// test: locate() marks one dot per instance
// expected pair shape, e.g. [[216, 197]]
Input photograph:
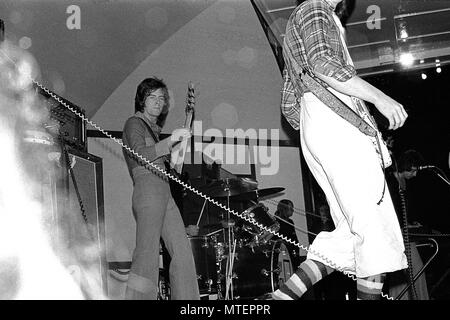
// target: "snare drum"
[[205, 262]]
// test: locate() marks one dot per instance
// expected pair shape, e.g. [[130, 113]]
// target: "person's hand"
[[192, 230], [166, 145], [177, 136], [392, 110]]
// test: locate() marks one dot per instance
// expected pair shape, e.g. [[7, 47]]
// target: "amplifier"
[[72, 128], [85, 228]]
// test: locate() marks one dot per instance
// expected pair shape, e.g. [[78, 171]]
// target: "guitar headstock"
[[190, 98]]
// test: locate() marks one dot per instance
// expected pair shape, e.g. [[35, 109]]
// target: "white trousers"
[[367, 239]]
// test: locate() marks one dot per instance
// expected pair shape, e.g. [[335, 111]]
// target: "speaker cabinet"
[[85, 223]]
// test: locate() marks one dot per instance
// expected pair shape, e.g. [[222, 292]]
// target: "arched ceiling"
[[86, 65]]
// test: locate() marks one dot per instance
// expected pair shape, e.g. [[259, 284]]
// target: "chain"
[[407, 242]]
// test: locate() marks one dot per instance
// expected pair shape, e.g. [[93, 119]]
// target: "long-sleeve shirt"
[[312, 42], [137, 136]]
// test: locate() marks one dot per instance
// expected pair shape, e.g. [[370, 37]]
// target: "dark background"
[[427, 130]]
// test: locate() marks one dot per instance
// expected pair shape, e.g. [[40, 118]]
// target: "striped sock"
[[370, 288], [307, 274]]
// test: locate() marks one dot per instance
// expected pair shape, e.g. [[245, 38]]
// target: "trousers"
[[157, 216], [367, 239]]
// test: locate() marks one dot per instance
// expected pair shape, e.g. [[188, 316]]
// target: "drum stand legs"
[[228, 234], [230, 258]]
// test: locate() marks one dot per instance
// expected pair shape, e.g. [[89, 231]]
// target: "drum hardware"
[[212, 233], [235, 254], [229, 272], [228, 224], [205, 262], [433, 243], [279, 250], [238, 189], [201, 213], [205, 245], [267, 252], [252, 266], [259, 214], [163, 287], [267, 273], [228, 187]]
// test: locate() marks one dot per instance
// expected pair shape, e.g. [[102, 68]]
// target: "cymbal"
[[258, 193], [228, 187]]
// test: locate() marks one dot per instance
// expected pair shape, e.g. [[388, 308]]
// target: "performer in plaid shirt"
[[367, 240]]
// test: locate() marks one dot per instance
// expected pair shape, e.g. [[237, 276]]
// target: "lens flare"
[[35, 260]]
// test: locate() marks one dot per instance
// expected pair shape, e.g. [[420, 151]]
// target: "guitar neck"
[[177, 159], [188, 121]]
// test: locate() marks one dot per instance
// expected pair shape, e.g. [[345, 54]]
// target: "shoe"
[[265, 296]]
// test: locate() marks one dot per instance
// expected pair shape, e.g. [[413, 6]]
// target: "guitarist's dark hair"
[[144, 89]]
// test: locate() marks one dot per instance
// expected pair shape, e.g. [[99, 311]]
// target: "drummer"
[[285, 209]]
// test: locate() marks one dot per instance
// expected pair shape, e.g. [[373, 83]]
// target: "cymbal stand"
[[229, 273], [229, 262], [201, 213]]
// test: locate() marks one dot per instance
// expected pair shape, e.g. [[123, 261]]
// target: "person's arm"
[[360, 88], [134, 134], [326, 64], [317, 29]]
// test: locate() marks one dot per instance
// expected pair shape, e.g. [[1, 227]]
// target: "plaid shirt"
[[312, 42]]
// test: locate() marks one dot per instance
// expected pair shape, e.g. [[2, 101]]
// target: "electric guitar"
[[175, 166]]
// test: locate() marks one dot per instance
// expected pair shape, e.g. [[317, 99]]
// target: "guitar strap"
[[150, 130], [166, 158]]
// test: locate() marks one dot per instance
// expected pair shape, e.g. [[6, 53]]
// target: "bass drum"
[[261, 269]]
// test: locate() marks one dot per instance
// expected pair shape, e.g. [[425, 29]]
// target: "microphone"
[[425, 167]]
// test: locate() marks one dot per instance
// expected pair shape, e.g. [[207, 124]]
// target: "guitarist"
[[154, 209]]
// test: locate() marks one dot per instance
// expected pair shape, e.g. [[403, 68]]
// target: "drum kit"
[[240, 260]]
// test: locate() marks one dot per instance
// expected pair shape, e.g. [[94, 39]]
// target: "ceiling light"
[[403, 33], [406, 59]]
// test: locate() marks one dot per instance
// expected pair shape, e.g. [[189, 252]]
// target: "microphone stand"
[[440, 173]]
